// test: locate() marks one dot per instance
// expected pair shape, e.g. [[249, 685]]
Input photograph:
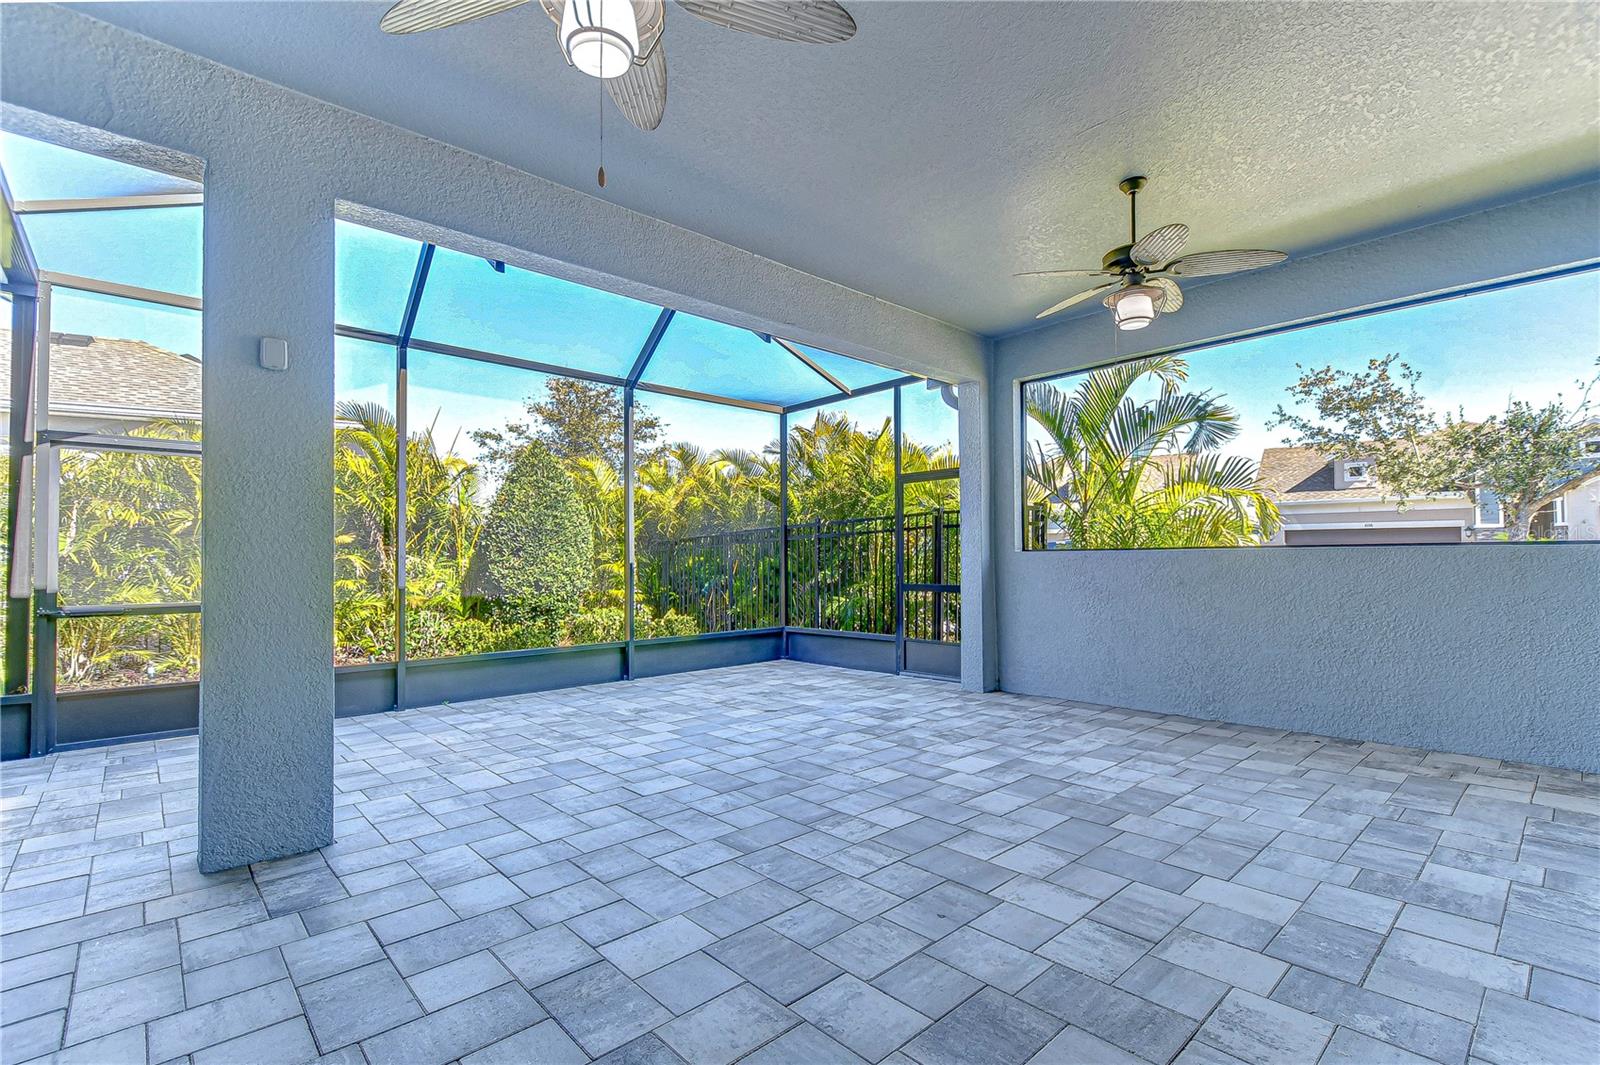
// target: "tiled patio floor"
[[790, 863]]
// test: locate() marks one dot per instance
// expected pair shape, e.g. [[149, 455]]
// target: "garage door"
[[1343, 537]]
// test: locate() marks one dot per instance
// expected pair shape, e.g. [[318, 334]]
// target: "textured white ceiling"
[[952, 144]]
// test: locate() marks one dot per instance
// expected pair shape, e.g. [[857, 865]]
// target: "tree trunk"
[[1517, 525]]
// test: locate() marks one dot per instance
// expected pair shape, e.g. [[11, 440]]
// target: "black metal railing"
[[727, 581], [933, 575], [841, 576]]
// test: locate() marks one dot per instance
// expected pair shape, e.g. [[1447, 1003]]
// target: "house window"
[[1344, 432], [1489, 515]]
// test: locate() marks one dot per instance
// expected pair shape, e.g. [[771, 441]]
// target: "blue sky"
[[1528, 342]]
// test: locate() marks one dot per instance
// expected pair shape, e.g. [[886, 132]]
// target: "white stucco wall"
[[1466, 649], [276, 161]]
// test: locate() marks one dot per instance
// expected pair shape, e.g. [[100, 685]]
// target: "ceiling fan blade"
[[1079, 298], [641, 93], [1067, 273], [1171, 294], [1212, 263], [804, 21], [414, 16], [1159, 245]]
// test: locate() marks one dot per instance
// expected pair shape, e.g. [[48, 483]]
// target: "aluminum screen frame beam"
[[402, 345]]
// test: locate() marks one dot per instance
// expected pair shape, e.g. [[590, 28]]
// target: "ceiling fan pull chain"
[[601, 176]]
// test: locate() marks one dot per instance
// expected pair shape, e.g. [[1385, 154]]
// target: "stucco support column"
[[266, 694], [980, 663]]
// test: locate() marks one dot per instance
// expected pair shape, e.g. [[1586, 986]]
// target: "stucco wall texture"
[[1491, 650], [276, 164], [1474, 650]]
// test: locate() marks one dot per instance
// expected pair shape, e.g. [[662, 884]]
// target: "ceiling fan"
[[1145, 268], [620, 40]]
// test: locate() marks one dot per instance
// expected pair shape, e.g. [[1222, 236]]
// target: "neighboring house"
[[1327, 502], [110, 385], [1341, 501], [1574, 514]]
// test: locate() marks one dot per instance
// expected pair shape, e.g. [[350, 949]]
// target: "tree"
[[575, 419], [533, 562], [1524, 456], [1117, 473], [443, 520]]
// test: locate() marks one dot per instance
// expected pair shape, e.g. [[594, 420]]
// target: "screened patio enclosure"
[[536, 483], [736, 496]]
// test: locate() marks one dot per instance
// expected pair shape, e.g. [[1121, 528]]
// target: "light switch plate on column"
[[274, 353]]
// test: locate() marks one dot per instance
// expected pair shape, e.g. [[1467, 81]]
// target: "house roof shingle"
[[112, 377]]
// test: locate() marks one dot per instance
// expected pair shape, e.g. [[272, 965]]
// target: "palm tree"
[[442, 524], [1115, 472]]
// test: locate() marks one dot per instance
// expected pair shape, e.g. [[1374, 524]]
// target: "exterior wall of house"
[[1433, 646], [276, 164], [1355, 517], [1583, 511]]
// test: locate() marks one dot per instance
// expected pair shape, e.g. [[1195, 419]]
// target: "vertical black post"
[[20, 435], [899, 546], [402, 442], [783, 531], [628, 560], [401, 524], [46, 540], [938, 572], [816, 571]]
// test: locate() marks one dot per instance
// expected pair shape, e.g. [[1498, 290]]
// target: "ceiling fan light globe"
[[599, 37], [1133, 307]]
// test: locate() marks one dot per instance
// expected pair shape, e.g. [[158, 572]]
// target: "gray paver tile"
[[1514, 1031], [1330, 947], [993, 961], [329, 953], [1093, 948], [104, 1009], [543, 1043], [1221, 961], [928, 985], [455, 980], [803, 1045], [357, 1004], [456, 1030], [1074, 1046], [1405, 1025], [650, 948], [127, 953], [871, 947], [991, 1026], [288, 1042], [1165, 858], [729, 1026], [686, 983], [1181, 990], [601, 1008], [861, 1017], [1566, 992], [780, 967], [647, 1049], [1263, 1032], [1144, 911], [222, 1020], [1126, 1021]]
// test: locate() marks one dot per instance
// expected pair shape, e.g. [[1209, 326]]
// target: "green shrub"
[[533, 561], [605, 624]]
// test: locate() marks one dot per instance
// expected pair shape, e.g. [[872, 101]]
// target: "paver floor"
[[792, 863]]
